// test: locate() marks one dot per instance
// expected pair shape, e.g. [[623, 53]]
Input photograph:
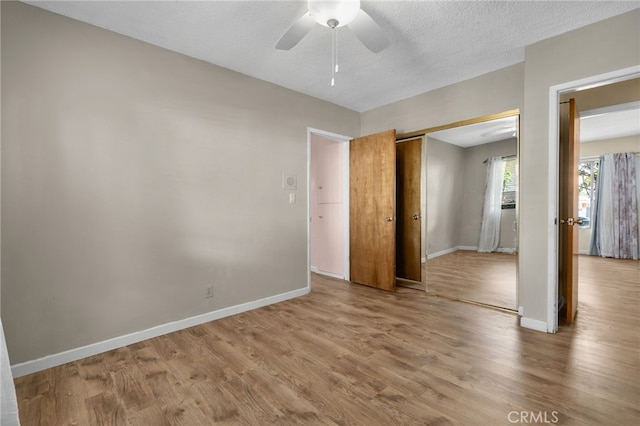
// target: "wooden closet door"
[[372, 173], [408, 225]]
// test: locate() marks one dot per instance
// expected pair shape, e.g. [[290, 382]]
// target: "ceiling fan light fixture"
[[334, 14], [343, 11]]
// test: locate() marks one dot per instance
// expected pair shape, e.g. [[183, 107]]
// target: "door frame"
[[552, 213], [345, 194]]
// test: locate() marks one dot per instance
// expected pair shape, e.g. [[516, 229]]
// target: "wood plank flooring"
[[352, 355], [488, 278]]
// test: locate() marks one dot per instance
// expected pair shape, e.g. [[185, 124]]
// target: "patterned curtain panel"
[[614, 230]]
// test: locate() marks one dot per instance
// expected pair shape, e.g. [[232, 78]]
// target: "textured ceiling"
[[433, 43]]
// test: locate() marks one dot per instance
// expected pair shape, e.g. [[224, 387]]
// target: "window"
[[510, 183], [587, 177]]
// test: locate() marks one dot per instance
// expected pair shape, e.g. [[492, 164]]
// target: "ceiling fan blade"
[[298, 30], [368, 32]]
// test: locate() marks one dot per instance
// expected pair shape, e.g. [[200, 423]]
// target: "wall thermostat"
[[289, 182]]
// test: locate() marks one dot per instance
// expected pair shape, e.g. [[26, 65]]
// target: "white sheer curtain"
[[614, 230], [492, 208]]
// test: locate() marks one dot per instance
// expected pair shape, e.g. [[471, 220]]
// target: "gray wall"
[[455, 187], [488, 94], [610, 146], [444, 186], [133, 176], [609, 45], [611, 94]]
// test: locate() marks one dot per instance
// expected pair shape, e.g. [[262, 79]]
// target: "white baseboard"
[[329, 274], [533, 324], [583, 251], [442, 253], [470, 248], [54, 360]]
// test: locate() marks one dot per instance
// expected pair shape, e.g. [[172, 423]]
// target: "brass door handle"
[[389, 219], [415, 217], [571, 221]]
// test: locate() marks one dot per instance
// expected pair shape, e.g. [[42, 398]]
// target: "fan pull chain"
[[333, 57], [335, 30], [333, 24]]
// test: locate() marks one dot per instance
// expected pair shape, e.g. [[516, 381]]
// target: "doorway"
[[368, 228], [328, 206], [555, 95], [609, 123]]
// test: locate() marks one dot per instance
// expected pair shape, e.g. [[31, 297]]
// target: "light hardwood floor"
[[348, 354], [488, 278]]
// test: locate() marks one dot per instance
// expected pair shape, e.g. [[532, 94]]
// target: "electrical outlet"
[[208, 292]]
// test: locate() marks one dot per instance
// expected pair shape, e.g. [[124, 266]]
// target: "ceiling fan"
[[335, 14]]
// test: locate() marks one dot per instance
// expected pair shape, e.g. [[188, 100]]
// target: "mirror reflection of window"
[[510, 183]]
